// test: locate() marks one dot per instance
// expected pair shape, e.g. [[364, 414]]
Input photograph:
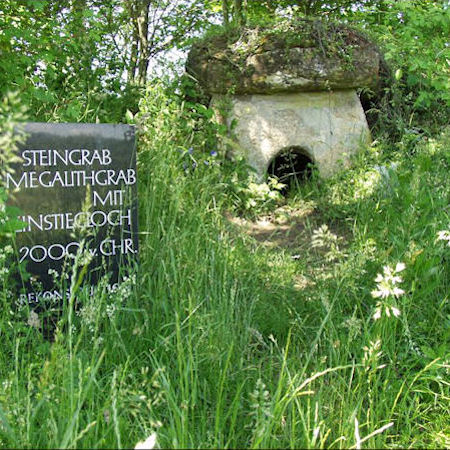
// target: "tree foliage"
[[87, 60], [73, 60]]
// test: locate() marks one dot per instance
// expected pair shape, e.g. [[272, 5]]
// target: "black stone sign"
[[76, 186]]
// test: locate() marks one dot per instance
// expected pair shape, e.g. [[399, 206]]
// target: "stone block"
[[327, 127]]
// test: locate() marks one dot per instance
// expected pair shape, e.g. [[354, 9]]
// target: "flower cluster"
[[444, 235], [387, 288], [387, 282], [190, 162], [34, 321], [94, 311], [5, 252], [124, 290], [89, 315], [3, 217]]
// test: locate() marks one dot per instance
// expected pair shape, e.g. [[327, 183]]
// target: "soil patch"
[[286, 228]]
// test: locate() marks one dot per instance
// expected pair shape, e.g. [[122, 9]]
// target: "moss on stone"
[[294, 56]]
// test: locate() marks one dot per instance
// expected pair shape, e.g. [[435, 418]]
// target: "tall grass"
[[216, 345]]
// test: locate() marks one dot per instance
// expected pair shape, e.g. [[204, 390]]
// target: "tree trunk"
[[225, 12], [132, 67], [82, 59], [138, 11], [142, 28], [238, 12]]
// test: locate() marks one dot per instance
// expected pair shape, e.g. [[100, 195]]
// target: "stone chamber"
[[289, 96]]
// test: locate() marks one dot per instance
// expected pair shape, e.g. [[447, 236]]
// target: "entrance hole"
[[292, 167]]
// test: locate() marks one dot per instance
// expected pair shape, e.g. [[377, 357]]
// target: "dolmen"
[[291, 87]]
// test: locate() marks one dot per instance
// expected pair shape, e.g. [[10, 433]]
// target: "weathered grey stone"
[[289, 87], [327, 126], [306, 56]]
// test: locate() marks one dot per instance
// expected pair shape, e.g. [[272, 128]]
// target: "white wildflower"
[[8, 249], [110, 310], [387, 287], [388, 310], [34, 321], [387, 282], [377, 314], [149, 443], [444, 235]]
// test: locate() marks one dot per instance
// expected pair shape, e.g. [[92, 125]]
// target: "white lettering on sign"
[[51, 188], [70, 221], [75, 157], [56, 252], [38, 296], [103, 178], [48, 179], [111, 198]]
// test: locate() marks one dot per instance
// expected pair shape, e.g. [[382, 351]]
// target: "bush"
[[414, 39]]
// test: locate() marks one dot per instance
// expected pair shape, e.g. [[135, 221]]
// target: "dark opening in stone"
[[292, 167]]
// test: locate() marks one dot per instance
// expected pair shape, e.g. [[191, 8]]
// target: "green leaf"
[[129, 117]]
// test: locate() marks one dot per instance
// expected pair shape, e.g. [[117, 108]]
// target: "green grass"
[[216, 345]]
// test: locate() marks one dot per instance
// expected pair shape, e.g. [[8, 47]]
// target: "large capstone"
[[290, 86]]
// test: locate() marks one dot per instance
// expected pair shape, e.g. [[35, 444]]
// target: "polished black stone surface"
[[66, 166]]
